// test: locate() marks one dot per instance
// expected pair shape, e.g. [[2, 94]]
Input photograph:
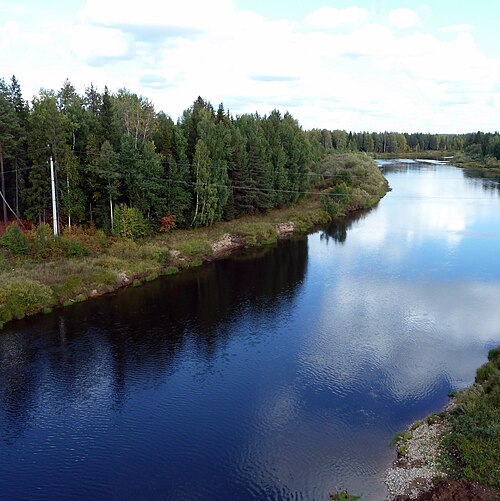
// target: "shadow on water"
[[139, 333], [337, 230]]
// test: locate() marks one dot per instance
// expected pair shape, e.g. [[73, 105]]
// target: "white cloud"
[[456, 28], [194, 14], [338, 68], [91, 43], [404, 18], [332, 18]]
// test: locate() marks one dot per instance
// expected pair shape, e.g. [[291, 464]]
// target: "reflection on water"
[[278, 375]]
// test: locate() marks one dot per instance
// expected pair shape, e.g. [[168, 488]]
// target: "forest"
[[117, 158]]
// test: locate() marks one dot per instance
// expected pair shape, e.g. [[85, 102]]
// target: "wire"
[[12, 210]]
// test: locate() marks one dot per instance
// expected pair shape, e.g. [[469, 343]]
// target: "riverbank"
[[98, 265], [455, 454], [488, 165]]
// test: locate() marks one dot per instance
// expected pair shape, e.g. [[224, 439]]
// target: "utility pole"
[[54, 203], [17, 192], [3, 187]]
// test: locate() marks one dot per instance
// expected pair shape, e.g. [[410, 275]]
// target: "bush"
[[130, 223], [125, 249], [92, 239], [335, 199], [73, 247], [23, 297], [15, 241], [44, 244]]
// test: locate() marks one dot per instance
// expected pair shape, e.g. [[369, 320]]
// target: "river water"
[[280, 374]]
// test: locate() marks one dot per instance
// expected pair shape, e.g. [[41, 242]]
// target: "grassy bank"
[[454, 454], [38, 273], [472, 443]]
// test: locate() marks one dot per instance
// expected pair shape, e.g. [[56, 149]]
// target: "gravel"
[[414, 471]]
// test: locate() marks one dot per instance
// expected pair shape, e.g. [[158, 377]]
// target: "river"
[[277, 374]]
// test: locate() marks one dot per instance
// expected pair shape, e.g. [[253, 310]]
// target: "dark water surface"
[[277, 376]]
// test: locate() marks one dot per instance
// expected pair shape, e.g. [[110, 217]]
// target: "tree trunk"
[[111, 211], [197, 195]]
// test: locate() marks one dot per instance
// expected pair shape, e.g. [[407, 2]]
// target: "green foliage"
[[352, 182], [130, 223], [23, 297], [171, 270], [104, 277], [473, 443], [401, 437], [68, 287], [125, 249], [194, 247], [72, 247], [257, 233], [343, 495], [44, 244], [335, 199], [15, 241]]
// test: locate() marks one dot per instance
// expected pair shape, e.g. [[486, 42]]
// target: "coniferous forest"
[[114, 152]]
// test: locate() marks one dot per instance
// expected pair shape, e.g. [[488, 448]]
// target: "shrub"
[[167, 223], [92, 239], [44, 244], [23, 297], [129, 223], [335, 199], [73, 247], [15, 241], [164, 257], [125, 249]]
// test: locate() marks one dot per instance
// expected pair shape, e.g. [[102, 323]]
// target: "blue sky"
[[368, 65]]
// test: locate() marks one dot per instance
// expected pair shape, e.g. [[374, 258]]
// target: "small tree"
[[130, 223], [15, 241]]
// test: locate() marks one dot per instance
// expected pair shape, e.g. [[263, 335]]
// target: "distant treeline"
[[477, 145], [113, 151]]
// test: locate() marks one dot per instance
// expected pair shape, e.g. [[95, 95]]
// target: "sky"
[[369, 65]]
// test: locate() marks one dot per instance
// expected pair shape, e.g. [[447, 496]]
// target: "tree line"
[[114, 152], [477, 145]]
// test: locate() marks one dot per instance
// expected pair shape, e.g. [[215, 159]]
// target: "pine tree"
[[48, 134], [21, 161]]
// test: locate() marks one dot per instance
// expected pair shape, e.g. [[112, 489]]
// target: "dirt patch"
[[285, 230], [457, 490], [225, 245]]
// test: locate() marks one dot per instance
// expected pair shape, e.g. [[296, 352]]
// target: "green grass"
[[21, 297], [472, 445]]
